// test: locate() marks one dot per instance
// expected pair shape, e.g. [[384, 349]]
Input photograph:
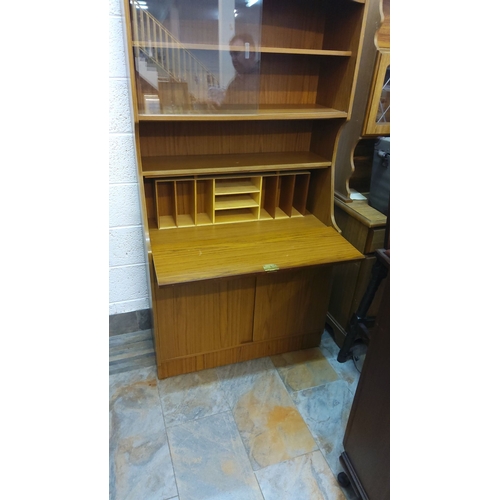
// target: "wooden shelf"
[[166, 221], [265, 112], [185, 220], [199, 164], [235, 201], [229, 186], [236, 215], [263, 50], [219, 251], [203, 219]]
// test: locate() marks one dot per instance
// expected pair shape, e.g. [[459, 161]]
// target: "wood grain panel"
[[216, 164], [289, 79], [199, 253], [329, 25], [384, 32], [344, 22], [364, 213], [243, 352], [376, 239], [205, 316], [223, 138], [291, 303], [345, 277], [353, 230], [301, 27]]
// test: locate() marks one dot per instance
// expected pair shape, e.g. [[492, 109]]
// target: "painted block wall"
[[128, 286]]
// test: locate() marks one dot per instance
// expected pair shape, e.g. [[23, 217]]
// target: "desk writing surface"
[[205, 252], [363, 212]]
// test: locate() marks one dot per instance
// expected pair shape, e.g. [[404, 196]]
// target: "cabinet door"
[[378, 117], [203, 316], [290, 303]]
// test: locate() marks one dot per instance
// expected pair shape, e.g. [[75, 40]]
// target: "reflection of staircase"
[[164, 62]]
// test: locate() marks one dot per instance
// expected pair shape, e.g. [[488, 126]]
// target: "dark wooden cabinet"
[[366, 457], [365, 228]]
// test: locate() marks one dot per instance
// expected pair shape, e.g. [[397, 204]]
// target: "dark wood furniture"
[[365, 228], [366, 456]]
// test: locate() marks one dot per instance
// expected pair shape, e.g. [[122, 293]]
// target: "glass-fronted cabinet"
[[243, 57], [196, 57], [378, 117]]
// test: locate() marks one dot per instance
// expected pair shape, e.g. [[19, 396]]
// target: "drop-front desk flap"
[[208, 252]]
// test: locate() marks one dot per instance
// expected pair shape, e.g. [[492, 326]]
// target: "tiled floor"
[[270, 428]]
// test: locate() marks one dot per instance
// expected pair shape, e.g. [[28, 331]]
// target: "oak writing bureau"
[[237, 110]]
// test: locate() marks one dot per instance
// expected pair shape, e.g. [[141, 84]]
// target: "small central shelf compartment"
[[235, 201], [236, 215], [237, 186]]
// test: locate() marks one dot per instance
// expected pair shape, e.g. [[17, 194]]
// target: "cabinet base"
[[245, 352]]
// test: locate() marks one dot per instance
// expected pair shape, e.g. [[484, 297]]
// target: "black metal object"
[[359, 321], [343, 480]]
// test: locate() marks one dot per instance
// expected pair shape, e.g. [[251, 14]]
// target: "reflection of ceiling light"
[[251, 2], [235, 13]]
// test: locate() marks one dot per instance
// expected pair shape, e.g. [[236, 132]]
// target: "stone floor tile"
[[305, 477], [270, 426], [326, 411], [303, 369], [347, 371], [139, 455], [191, 396], [210, 461]]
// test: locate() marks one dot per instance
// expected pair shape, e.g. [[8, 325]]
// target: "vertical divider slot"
[[166, 216], [269, 197], [204, 202], [185, 202], [287, 184], [300, 194]]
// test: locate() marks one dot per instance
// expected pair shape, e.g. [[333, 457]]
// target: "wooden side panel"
[[205, 316], [375, 241], [291, 303], [384, 33], [352, 230]]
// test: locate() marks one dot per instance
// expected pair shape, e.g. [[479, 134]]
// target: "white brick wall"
[[128, 286]]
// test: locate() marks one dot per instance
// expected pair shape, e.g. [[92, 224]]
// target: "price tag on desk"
[[270, 267]]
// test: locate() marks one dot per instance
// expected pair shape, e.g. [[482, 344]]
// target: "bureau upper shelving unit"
[[237, 109]]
